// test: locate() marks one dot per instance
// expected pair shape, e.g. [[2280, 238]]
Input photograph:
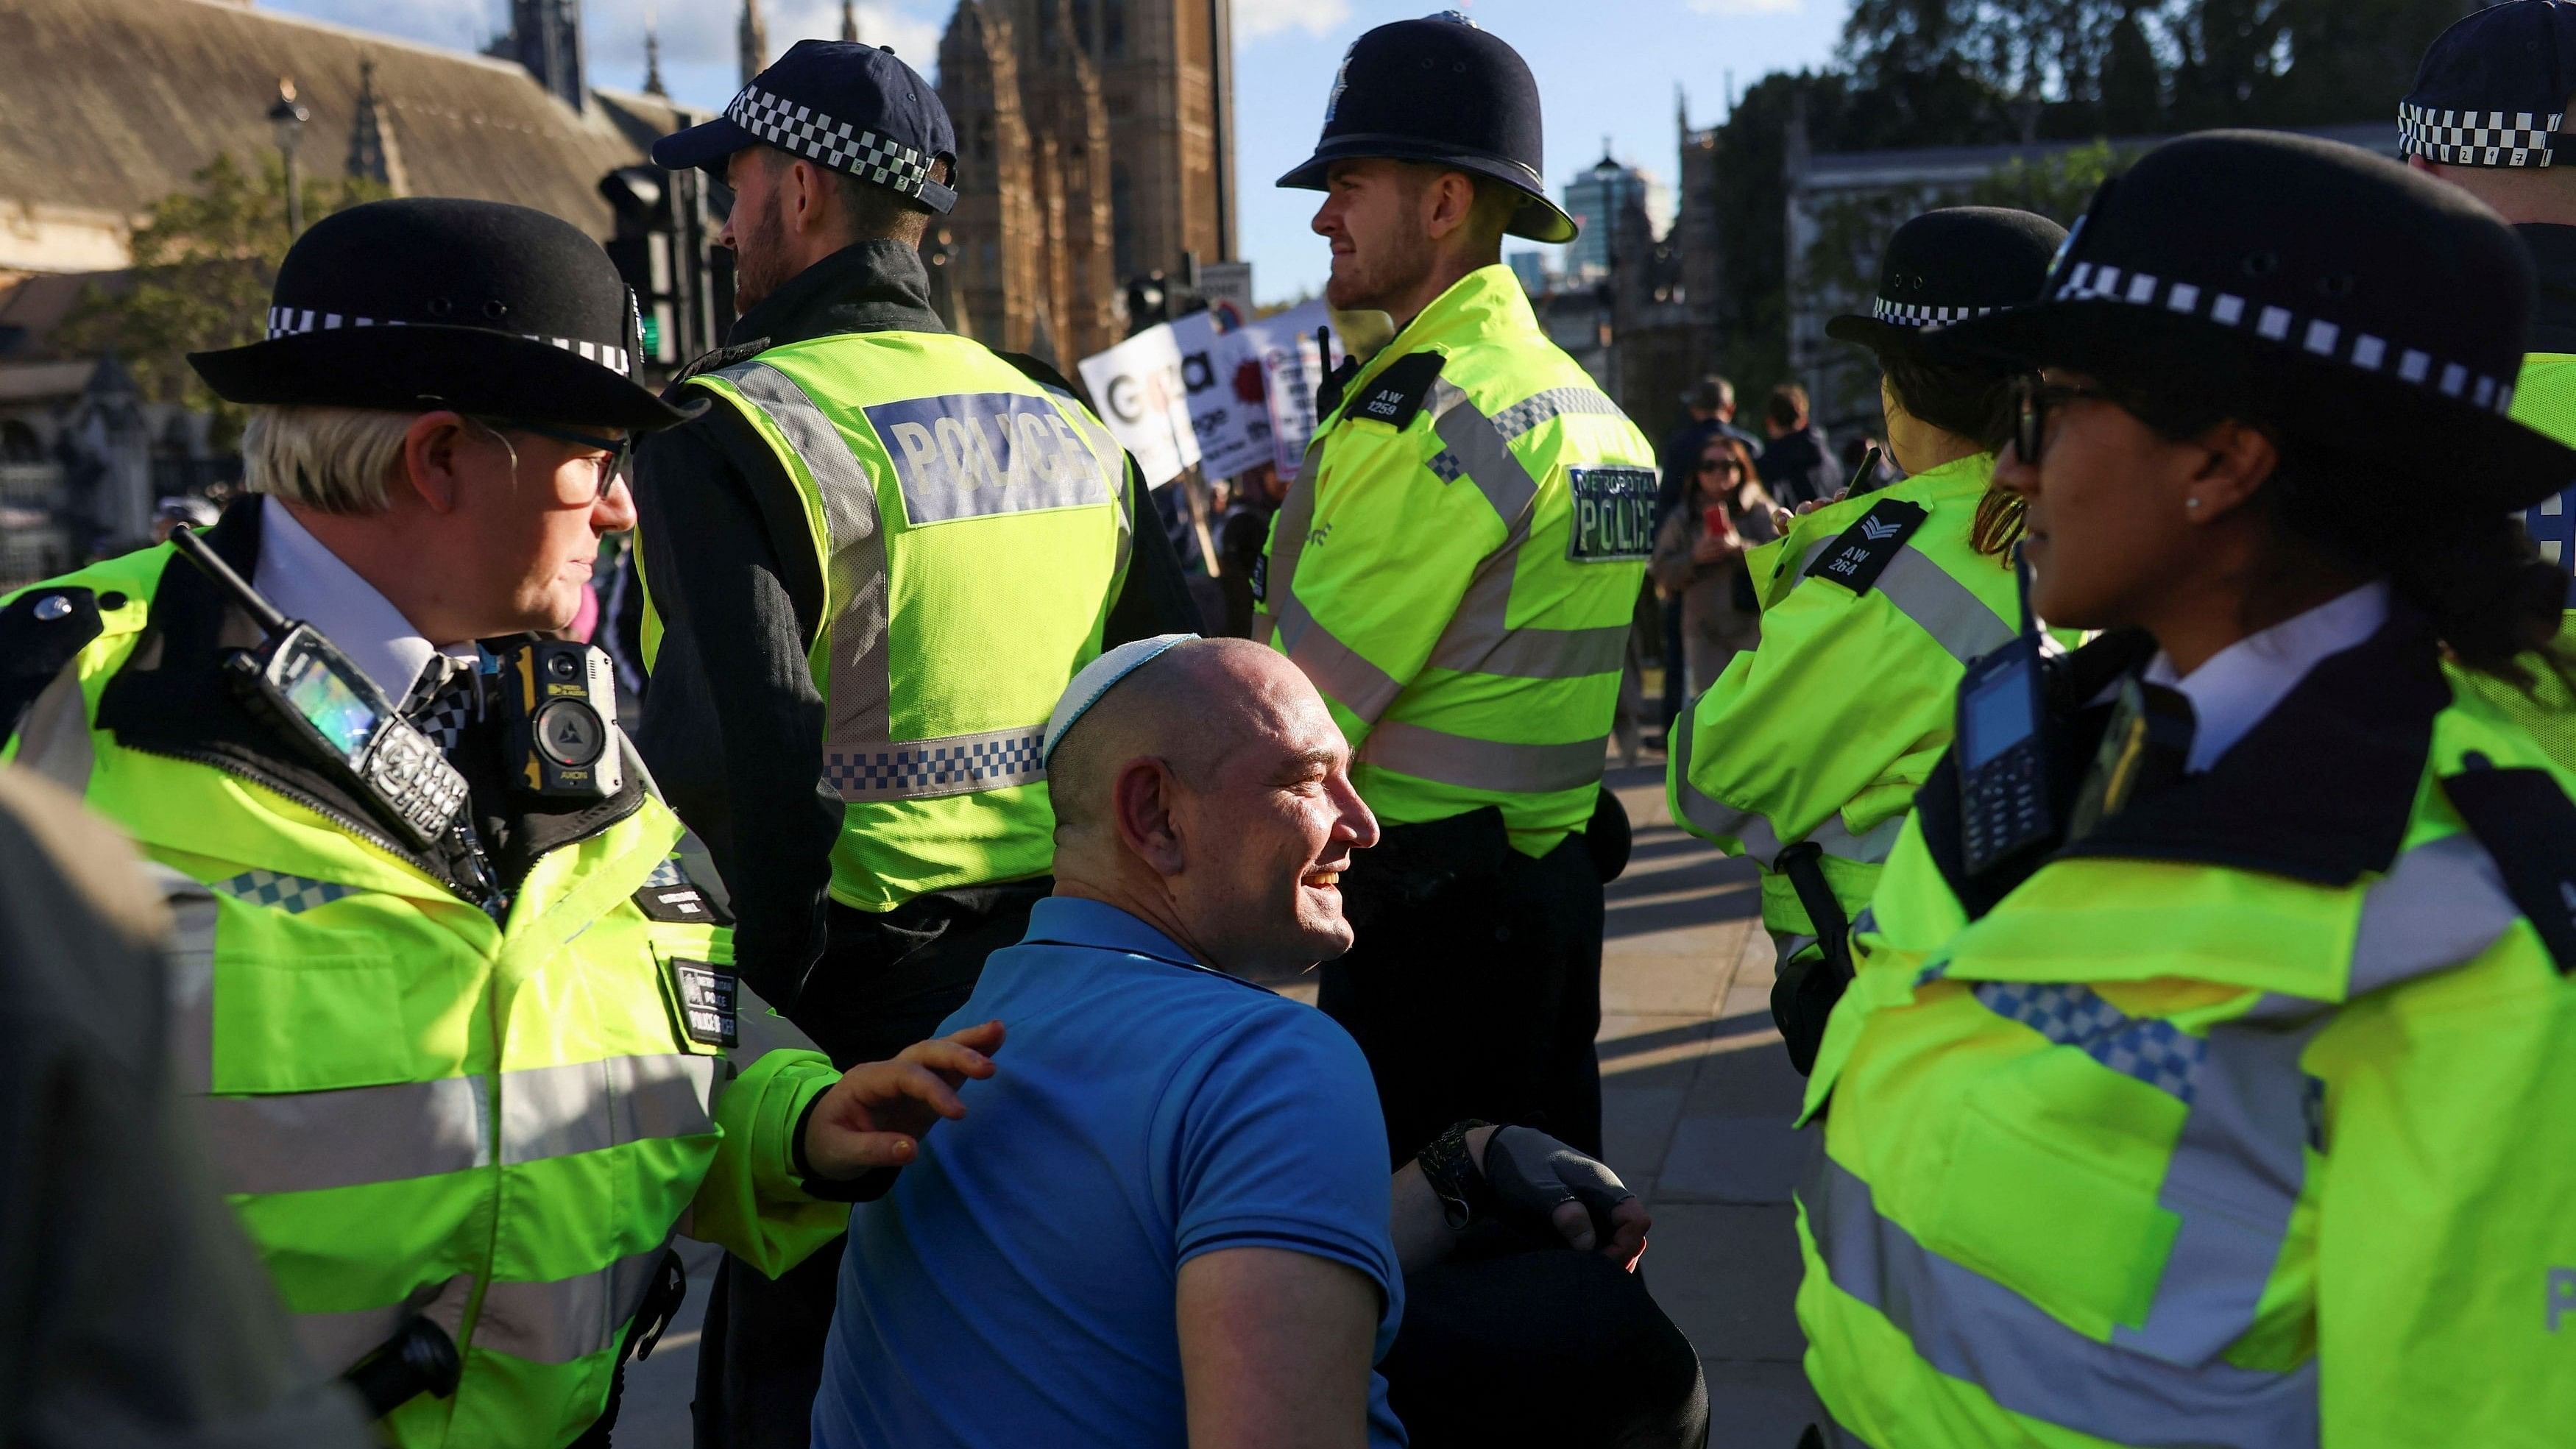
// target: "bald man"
[[1171, 1221]]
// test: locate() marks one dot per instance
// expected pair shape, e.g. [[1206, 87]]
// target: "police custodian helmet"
[[1443, 91]]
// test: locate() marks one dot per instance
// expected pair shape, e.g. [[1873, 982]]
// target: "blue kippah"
[[1096, 679]]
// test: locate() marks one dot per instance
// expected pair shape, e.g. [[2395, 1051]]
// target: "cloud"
[[1748, 7], [1254, 19]]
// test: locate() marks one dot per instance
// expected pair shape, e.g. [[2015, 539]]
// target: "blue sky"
[[1605, 67]]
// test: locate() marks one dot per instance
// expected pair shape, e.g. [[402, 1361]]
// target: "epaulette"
[[1399, 392], [2528, 826], [716, 361], [1856, 558], [40, 633]]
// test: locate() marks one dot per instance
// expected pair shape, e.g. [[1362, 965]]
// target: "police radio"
[[2006, 778], [304, 687], [559, 703]]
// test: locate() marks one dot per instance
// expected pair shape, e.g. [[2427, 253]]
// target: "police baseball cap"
[[2493, 89], [1947, 266], [852, 107], [1441, 91]]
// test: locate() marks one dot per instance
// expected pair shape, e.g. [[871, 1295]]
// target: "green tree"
[[2132, 79], [204, 265], [2057, 186]]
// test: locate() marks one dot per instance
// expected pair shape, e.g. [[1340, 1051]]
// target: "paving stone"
[[1729, 1277], [1757, 1405], [1733, 1160], [1636, 1128], [1748, 1075]]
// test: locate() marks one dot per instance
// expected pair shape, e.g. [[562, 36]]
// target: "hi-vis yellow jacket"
[[1458, 564], [415, 1108]]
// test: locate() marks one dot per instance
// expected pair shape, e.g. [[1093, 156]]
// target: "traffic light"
[[662, 250], [1147, 302]]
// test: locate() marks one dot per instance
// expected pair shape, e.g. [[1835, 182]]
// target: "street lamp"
[[286, 119]]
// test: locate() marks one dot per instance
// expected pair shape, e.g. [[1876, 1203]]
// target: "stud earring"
[[2191, 503]]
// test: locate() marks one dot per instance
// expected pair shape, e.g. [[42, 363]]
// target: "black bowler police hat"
[[1442, 91], [852, 107], [1945, 267], [2493, 89], [2308, 285], [437, 302]]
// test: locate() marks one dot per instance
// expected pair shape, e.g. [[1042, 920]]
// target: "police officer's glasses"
[[2035, 396], [608, 465]]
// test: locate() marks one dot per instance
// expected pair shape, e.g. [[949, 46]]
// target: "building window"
[[1122, 226], [1082, 37], [18, 443], [1113, 28]]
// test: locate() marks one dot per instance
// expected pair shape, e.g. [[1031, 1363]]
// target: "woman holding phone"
[[1699, 558], [2237, 1105]]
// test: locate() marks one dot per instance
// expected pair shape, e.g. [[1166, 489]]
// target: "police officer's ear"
[[437, 448], [2237, 459]]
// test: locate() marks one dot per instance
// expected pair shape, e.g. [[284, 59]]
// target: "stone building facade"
[[1095, 144]]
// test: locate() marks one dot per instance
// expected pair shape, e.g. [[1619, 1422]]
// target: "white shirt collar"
[[2240, 684], [309, 582]]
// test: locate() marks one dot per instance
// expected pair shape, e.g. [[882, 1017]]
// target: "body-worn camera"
[[559, 701]]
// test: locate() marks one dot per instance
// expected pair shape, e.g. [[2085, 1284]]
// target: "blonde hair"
[[335, 460]]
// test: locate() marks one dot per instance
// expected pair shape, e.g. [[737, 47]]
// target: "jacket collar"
[[2322, 788], [1488, 304], [2553, 253], [172, 698], [875, 286]]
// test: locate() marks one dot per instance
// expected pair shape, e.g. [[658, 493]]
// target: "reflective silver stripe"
[[927, 769], [1707, 814], [858, 687], [588, 1106], [336, 1341], [190, 987], [1556, 402], [2234, 1178], [1528, 653], [1946, 609], [568, 1318], [309, 1141], [1296, 518], [2440, 904], [1491, 465], [1973, 1328], [1870, 847], [1335, 668], [54, 739], [1474, 764]]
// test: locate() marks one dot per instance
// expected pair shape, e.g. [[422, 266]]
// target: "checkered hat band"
[[2477, 138], [1910, 314], [837, 144], [2332, 341], [288, 321]]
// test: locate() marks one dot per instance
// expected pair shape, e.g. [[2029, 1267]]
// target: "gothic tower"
[[546, 35], [372, 153], [753, 39]]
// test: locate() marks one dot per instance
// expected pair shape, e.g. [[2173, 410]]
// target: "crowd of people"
[[2163, 818]]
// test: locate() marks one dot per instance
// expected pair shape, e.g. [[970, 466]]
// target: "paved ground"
[[1697, 1094]]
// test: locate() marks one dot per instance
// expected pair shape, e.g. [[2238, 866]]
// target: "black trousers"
[[885, 982], [1481, 1000], [1676, 686], [1512, 1341]]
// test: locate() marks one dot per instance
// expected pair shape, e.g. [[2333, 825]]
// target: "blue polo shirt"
[[1016, 1286]]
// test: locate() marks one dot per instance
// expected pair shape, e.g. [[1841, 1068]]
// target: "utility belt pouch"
[[419, 1359], [1804, 992], [1412, 863]]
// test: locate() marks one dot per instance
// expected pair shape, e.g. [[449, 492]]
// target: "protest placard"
[[1291, 366], [1228, 397], [1138, 386]]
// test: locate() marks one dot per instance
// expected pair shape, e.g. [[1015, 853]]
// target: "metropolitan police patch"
[[1614, 515], [706, 1002]]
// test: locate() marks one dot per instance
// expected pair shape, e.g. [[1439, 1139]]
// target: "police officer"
[[2228, 1106], [1455, 569], [876, 560], [459, 1065], [1806, 753], [2488, 115]]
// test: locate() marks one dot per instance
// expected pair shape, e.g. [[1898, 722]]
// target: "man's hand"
[[875, 1115], [1783, 520], [1716, 548], [1534, 1175]]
